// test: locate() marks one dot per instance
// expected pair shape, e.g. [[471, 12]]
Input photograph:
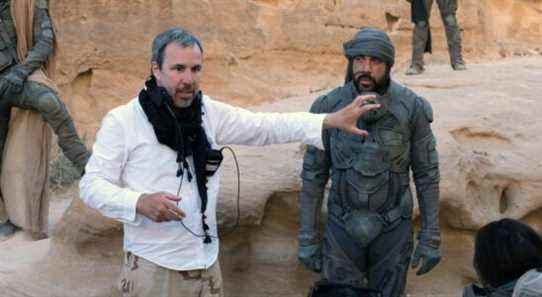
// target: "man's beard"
[[184, 102], [379, 86]]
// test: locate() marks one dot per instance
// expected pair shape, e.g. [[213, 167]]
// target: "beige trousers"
[[141, 278]]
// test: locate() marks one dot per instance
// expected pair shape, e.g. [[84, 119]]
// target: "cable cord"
[[238, 204]]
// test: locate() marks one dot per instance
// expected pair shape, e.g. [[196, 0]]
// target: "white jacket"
[[127, 161]]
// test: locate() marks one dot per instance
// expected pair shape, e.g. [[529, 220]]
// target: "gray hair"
[[175, 35]]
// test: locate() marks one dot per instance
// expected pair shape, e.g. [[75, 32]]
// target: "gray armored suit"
[[421, 35], [16, 90], [368, 239]]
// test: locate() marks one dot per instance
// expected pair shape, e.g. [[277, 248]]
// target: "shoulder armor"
[[404, 95], [412, 102], [404, 103], [427, 109], [318, 106], [328, 102]]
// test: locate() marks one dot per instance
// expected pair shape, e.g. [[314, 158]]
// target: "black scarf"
[[181, 130], [349, 77]]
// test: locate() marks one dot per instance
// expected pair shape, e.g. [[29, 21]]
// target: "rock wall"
[[259, 50]]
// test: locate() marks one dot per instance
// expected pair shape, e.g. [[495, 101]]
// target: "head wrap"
[[373, 43]]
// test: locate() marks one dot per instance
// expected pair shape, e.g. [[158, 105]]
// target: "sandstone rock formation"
[[257, 51]]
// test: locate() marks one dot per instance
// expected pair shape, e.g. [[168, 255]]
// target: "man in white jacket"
[[153, 168]]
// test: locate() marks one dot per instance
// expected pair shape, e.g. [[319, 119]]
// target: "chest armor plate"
[[386, 147], [366, 165]]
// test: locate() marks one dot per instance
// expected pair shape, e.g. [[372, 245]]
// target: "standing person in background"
[[421, 35]]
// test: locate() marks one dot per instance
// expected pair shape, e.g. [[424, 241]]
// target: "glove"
[[311, 256], [12, 82], [428, 255]]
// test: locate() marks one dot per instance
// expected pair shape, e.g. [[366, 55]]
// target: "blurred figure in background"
[[421, 36]]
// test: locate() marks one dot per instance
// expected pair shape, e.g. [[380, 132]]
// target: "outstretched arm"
[[234, 125]]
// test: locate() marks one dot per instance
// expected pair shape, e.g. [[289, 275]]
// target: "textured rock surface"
[[256, 51], [488, 134]]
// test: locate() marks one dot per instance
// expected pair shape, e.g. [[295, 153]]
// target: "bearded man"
[[368, 237], [26, 45]]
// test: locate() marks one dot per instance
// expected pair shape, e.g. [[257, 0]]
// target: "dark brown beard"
[[379, 86]]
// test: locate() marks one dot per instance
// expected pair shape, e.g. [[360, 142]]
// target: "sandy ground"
[[19, 249]]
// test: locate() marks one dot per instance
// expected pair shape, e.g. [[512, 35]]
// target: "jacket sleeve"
[[234, 125], [43, 40], [425, 168], [101, 186], [315, 175]]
